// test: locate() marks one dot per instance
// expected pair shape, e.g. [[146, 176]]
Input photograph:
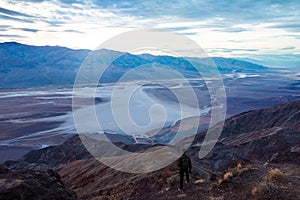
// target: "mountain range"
[[33, 66]]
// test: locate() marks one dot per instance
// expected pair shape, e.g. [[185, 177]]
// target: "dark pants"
[[181, 173]]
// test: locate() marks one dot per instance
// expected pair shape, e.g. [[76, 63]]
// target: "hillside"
[[251, 147], [267, 135]]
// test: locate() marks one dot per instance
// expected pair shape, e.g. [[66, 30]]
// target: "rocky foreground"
[[30, 184], [257, 157]]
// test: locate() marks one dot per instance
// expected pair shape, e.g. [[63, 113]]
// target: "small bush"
[[228, 175], [213, 186], [259, 191], [172, 181], [275, 175], [239, 166], [264, 190], [199, 181], [220, 181]]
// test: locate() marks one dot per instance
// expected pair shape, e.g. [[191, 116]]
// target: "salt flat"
[[39, 117]]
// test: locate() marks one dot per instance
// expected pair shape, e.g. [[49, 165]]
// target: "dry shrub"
[[172, 181], [259, 191], [220, 181], [263, 190], [96, 198], [239, 166], [275, 175], [228, 175], [113, 197], [199, 181], [239, 171], [181, 196], [242, 171], [213, 186]]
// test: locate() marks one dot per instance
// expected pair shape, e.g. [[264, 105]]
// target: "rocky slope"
[[271, 134], [29, 184], [260, 140], [52, 156], [257, 142]]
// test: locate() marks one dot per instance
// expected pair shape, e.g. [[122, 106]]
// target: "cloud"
[[218, 14], [11, 36], [275, 60], [234, 11], [9, 18], [292, 27], [27, 29], [286, 25], [230, 50], [232, 30], [4, 26], [71, 1], [190, 33], [181, 28], [288, 48], [13, 13], [72, 31]]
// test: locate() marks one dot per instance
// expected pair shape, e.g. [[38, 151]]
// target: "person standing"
[[185, 167]]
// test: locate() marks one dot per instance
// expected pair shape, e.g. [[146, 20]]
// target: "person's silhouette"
[[185, 166]]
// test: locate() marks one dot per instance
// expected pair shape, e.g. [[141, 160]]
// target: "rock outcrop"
[[29, 184]]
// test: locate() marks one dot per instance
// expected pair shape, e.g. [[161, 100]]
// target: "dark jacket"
[[184, 162]]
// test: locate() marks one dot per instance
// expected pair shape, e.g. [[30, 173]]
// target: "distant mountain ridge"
[[33, 66]]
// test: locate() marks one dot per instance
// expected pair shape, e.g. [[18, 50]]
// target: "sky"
[[266, 31]]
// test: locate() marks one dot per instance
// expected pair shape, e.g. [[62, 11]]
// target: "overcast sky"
[[266, 30]]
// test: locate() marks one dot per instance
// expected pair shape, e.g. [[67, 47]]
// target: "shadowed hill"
[[271, 134], [29, 184]]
